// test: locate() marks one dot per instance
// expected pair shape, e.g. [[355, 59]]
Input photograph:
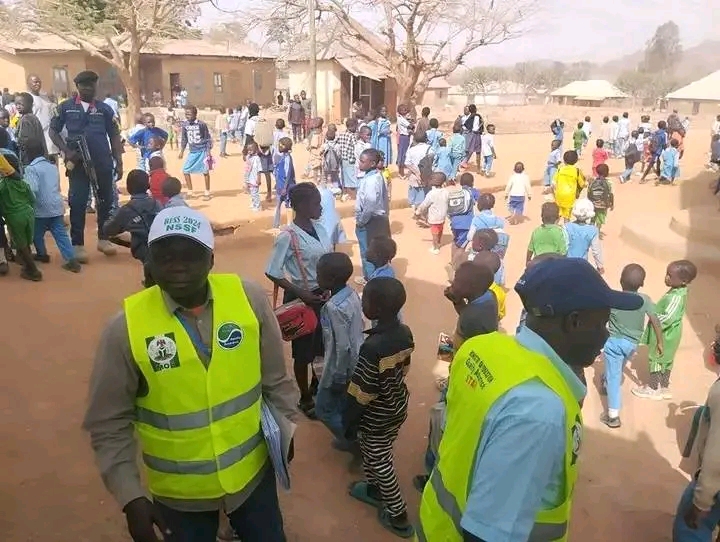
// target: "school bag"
[[600, 194], [425, 166], [263, 133], [459, 202], [331, 159]]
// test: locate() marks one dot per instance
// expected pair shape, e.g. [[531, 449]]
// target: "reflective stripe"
[[210, 466], [197, 420], [419, 533], [547, 532], [445, 499]]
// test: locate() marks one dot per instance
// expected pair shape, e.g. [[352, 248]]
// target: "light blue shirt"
[[113, 105], [283, 262], [44, 181], [519, 462], [330, 219], [383, 271], [341, 319], [371, 198]]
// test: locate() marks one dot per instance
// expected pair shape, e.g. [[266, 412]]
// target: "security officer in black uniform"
[[84, 116]]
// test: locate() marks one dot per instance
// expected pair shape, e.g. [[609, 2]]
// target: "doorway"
[[175, 86]]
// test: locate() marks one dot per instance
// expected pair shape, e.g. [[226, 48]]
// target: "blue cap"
[[565, 285]]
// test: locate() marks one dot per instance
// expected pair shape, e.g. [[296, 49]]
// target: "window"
[[60, 79], [218, 83]]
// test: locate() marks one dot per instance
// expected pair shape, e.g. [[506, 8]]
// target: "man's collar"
[[532, 341], [173, 306], [382, 327]]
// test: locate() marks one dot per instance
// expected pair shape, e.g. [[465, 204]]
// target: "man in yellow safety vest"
[[507, 460], [193, 367]]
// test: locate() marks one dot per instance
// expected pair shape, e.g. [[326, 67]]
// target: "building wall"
[[13, 72], [328, 85], [55, 70], [695, 107]]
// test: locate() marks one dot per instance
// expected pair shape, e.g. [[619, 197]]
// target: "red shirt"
[[157, 178], [599, 156]]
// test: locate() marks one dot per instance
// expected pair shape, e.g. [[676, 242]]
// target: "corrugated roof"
[[360, 67], [590, 90], [707, 88]]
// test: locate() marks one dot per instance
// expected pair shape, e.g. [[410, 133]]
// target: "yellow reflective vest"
[[199, 427], [483, 370]]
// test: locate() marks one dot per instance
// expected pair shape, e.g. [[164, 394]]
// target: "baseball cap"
[[182, 222], [564, 285]]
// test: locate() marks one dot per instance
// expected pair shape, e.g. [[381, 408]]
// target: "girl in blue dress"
[[380, 138]]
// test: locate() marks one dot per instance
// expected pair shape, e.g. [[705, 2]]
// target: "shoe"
[[434, 250], [360, 281], [189, 194], [81, 254], [42, 258], [613, 423], [4, 269], [72, 265], [106, 247], [665, 393], [207, 196], [646, 392], [35, 276]]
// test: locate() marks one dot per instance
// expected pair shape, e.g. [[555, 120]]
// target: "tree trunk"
[[408, 91], [131, 79]]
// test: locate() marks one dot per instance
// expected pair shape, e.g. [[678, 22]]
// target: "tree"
[[406, 42], [114, 31], [477, 80], [228, 33], [663, 51]]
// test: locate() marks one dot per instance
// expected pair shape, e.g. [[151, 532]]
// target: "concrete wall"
[[15, 70], [328, 86], [695, 107]]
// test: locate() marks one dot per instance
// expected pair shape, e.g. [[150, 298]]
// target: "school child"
[[457, 148], [171, 191], [28, 127], [155, 146], [492, 261], [633, 155], [715, 151], [405, 129], [44, 180], [172, 128], [329, 218], [670, 163], [604, 132], [625, 330], [386, 175], [315, 147], [18, 209], [131, 133], [434, 209], [157, 178], [579, 138], [380, 253], [284, 177], [331, 161], [278, 133], [423, 123], [135, 218], [567, 184], [377, 402], [551, 167], [443, 160], [600, 155], [587, 130], [582, 235], [516, 191], [488, 150], [548, 237], [656, 143], [670, 310], [341, 319], [252, 176], [433, 135], [140, 139], [266, 167], [601, 195], [613, 139], [487, 218], [460, 210], [645, 124]]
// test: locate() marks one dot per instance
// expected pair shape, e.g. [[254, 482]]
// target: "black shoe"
[[4, 269], [35, 276], [42, 258], [73, 266], [613, 423]]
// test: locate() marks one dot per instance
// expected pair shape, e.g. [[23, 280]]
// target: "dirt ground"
[[50, 491]]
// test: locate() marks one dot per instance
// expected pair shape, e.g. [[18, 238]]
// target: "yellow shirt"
[[6, 170], [500, 295], [568, 182]]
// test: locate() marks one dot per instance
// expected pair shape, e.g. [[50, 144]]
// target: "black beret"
[[87, 76]]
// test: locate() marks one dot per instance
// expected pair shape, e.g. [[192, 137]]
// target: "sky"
[[573, 30]]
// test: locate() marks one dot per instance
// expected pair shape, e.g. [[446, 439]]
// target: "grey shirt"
[[116, 381]]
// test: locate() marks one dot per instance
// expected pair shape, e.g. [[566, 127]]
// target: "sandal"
[[359, 491], [403, 531]]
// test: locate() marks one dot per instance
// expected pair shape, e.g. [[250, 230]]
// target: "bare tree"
[[417, 40], [114, 31]]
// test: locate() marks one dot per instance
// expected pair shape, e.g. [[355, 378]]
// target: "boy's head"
[[434, 123], [330, 134], [34, 148], [486, 201], [550, 212], [457, 127], [438, 179], [606, 119], [425, 112], [420, 137], [285, 144], [403, 109], [662, 125], [489, 259], [555, 144], [138, 182], [4, 118], [381, 161], [467, 179], [149, 120], [490, 128], [368, 160], [519, 167], [484, 239], [587, 119], [364, 133], [351, 124], [635, 134], [615, 118], [334, 269], [580, 125], [381, 250], [626, 115], [382, 299], [24, 103], [602, 171], [442, 142], [570, 158], [280, 124], [171, 187], [471, 281], [154, 143], [191, 113], [4, 138], [674, 143], [680, 273], [632, 277], [600, 143]]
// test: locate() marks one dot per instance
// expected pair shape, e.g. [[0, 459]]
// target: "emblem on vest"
[[162, 351], [229, 335], [576, 440]]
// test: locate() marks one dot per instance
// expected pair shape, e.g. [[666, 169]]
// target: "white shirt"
[[716, 127], [623, 127], [250, 126], [488, 144], [614, 131], [413, 157], [587, 128], [113, 105], [518, 185], [43, 109], [436, 205]]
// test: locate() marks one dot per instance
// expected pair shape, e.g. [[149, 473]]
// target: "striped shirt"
[[345, 144], [377, 395]]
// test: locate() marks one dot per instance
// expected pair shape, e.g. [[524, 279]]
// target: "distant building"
[[701, 96], [214, 75], [592, 93], [504, 93], [436, 94]]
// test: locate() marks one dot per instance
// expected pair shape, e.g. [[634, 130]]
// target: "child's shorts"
[[21, 228], [565, 212], [437, 229], [600, 217]]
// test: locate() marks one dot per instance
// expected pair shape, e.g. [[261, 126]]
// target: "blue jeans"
[[487, 163], [78, 196], [416, 195], [704, 532], [620, 146], [455, 162], [223, 143], [549, 174], [278, 210], [362, 237], [56, 226], [257, 520], [617, 351], [329, 408], [625, 175]]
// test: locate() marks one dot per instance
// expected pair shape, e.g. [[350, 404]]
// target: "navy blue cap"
[[564, 285]]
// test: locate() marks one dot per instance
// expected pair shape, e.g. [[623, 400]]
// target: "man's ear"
[[572, 322]]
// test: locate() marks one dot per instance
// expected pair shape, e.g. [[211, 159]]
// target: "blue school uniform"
[[670, 163], [457, 152], [443, 162], [380, 138], [330, 219], [433, 138], [489, 220], [460, 224], [142, 138]]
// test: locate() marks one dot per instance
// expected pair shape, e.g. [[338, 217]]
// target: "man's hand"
[[71, 155], [693, 516], [142, 516], [180, 156], [660, 349]]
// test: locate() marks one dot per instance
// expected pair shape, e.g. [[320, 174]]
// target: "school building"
[[591, 93], [701, 96], [212, 74]]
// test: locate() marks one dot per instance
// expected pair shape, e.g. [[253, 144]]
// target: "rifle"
[[80, 143]]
